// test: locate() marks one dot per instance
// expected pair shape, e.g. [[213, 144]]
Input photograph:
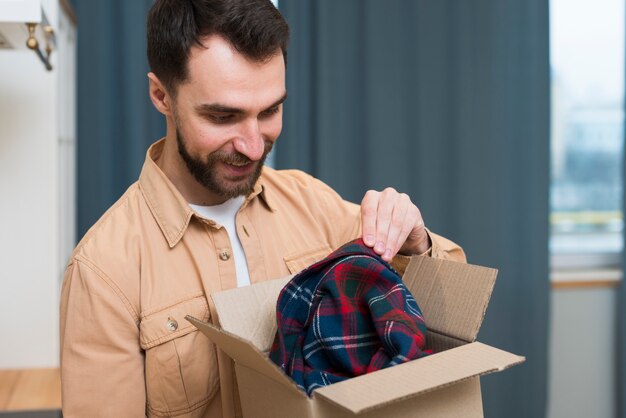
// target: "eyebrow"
[[220, 108]]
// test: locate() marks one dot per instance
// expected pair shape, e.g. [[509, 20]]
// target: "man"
[[205, 216]]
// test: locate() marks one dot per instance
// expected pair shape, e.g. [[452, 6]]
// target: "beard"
[[206, 172]]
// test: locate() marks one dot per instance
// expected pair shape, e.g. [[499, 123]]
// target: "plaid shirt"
[[345, 316]]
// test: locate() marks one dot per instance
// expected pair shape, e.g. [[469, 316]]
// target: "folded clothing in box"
[[345, 316]]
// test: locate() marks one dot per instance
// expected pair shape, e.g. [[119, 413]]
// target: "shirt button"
[[172, 325], [224, 255]]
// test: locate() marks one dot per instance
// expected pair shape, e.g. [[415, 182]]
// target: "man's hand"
[[392, 224]]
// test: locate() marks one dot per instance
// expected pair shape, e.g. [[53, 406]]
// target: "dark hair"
[[255, 28]]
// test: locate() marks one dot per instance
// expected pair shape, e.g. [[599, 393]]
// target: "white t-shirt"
[[224, 215]]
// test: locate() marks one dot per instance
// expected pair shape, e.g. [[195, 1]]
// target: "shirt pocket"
[[298, 261], [181, 365]]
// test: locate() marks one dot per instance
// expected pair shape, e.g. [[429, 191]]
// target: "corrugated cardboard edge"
[[359, 395], [453, 296], [243, 351]]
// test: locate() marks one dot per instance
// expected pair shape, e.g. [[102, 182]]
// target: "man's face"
[[227, 116]]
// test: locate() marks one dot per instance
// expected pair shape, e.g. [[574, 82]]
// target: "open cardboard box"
[[453, 297]]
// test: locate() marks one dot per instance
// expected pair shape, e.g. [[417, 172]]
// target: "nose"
[[250, 141]]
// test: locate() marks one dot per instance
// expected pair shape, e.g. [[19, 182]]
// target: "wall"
[[33, 154], [582, 353]]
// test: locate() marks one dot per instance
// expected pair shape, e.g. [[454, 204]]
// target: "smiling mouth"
[[239, 169], [241, 164]]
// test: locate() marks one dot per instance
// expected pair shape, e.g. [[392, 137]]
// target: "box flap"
[[245, 353], [453, 296], [438, 342], [250, 312], [417, 377]]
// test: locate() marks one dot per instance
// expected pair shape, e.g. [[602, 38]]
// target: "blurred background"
[[503, 120]]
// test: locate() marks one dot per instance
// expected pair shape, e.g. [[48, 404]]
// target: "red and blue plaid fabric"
[[345, 316]]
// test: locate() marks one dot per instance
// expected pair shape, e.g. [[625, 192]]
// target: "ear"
[[159, 95]]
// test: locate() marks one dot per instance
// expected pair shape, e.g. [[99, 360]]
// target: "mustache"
[[237, 157], [234, 158]]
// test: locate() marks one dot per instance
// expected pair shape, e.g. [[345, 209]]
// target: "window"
[[587, 69]]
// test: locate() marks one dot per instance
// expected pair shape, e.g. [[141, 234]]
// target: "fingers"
[[386, 205], [388, 217], [369, 212], [400, 226]]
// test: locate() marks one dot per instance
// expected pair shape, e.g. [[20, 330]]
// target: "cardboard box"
[[452, 296]]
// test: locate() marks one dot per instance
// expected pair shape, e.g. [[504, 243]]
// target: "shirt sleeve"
[[440, 248], [102, 365], [444, 248]]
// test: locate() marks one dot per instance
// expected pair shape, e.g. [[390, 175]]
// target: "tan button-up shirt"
[[126, 349]]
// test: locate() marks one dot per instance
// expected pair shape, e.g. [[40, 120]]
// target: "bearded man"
[[205, 215]]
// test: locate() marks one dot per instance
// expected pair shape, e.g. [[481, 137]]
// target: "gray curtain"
[[116, 121], [449, 102]]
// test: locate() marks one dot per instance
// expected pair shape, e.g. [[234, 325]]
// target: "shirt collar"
[[169, 208]]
